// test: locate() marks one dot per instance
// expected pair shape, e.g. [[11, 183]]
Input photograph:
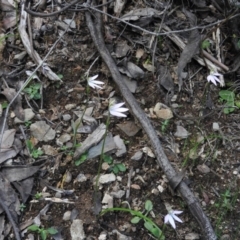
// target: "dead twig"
[[193, 204]]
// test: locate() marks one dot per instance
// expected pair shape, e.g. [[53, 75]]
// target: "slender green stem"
[[135, 213], [102, 153]]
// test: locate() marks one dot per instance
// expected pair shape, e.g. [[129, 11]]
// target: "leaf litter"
[[22, 175]]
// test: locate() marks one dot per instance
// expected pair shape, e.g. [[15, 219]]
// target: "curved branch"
[[192, 202]]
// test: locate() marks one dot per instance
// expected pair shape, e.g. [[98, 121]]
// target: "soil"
[[217, 188]]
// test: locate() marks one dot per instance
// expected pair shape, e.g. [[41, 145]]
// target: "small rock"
[[157, 107], [135, 186], [67, 177], [49, 150], [181, 132], [74, 214], [203, 168], [66, 117], [160, 188], [81, 178], [42, 131], [149, 152], [28, 115], [118, 194], [102, 236], [76, 230], [58, 195], [107, 178], [70, 106], [216, 126], [66, 216], [105, 166], [121, 236], [137, 156], [70, 22], [107, 200], [164, 114], [121, 148], [63, 139], [192, 236]]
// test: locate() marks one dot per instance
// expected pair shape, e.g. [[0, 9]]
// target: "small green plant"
[[42, 231], [205, 44], [22, 207], [138, 216], [38, 195], [33, 91], [4, 105], [116, 168], [82, 159], [35, 153], [228, 97], [165, 125], [27, 123]]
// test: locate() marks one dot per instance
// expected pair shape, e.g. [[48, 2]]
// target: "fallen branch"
[[188, 196]]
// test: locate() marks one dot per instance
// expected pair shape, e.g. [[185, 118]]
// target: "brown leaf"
[[10, 93]]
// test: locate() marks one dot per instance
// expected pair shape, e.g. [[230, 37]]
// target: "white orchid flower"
[[116, 109], [94, 83], [215, 78], [171, 218]]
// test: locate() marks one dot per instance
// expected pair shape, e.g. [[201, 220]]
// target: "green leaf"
[[43, 234], [108, 159], [4, 105], [121, 167], [115, 169], [148, 205], [82, 159], [28, 90], [148, 226], [227, 95], [205, 44], [237, 103], [37, 96], [52, 231], [135, 220], [33, 228], [29, 145]]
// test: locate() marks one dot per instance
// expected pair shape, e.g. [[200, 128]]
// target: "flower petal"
[[171, 221], [118, 105], [177, 218], [118, 114], [177, 212], [166, 218], [122, 109], [97, 82], [92, 78]]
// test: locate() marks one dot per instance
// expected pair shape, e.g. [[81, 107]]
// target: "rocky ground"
[[70, 168]]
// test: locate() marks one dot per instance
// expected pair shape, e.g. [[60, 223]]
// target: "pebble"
[[107, 178], [137, 156], [76, 230], [215, 126], [70, 106], [66, 117], [66, 216], [81, 177]]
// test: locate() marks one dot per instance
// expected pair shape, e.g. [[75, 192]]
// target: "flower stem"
[[102, 153]]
